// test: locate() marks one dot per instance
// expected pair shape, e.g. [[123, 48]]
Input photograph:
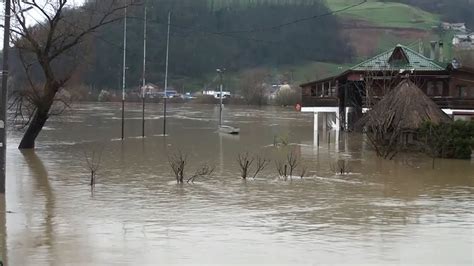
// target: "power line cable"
[[276, 27]]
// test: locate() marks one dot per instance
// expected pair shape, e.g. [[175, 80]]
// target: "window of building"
[[314, 91], [434, 88], [465, 91], [439, 87], [462, 91], [429, 88], [320, 90], [333, 90]]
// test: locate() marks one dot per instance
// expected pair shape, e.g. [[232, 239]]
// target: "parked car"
[[188, 96], [169, 94]]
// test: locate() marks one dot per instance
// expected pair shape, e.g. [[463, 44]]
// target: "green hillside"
[[205, 37], [373, 13], [386, 14], [210, 34]]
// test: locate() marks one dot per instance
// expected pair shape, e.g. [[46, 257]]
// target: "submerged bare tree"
[[376, 84], [49, 53], [286, 168], [340, 167], [282, 169], [177, 162], [304, 169], [93, 161], [382, 136], [384, 133], [261, 163], [246, 161], [204, 170], [292, 160]]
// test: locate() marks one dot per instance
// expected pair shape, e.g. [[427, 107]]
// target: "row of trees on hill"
[[204, 37]]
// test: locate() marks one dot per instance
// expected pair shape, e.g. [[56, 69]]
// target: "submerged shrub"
[[449, 140]]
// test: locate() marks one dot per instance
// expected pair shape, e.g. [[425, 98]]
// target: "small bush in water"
[[449, 140]]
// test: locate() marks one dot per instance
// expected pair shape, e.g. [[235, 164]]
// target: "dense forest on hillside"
[[208, 34], [450, 10]]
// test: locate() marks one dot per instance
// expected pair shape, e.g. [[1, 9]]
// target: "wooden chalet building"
[[343, 98]]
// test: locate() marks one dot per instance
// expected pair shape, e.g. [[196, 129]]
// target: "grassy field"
[[375, 12], [386, 14], [393, 15], [217, 4]]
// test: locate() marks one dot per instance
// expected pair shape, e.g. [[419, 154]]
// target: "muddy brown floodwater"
[[383, 212]]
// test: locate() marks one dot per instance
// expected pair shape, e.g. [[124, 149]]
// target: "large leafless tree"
[[51, 49]]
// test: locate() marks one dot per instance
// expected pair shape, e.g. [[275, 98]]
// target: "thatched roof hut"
[[405, 107]]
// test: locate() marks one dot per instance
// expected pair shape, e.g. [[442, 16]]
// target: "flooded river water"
[[383, 212]]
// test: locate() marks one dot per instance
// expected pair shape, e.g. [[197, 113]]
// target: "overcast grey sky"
[[33, 15]]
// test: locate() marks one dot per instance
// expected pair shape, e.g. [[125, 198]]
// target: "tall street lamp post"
[[4, 93]]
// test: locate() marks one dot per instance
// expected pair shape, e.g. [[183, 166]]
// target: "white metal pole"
[[144, 48], [165, 96], [220, 98], [144, 71], [4, 95], [124, 69]]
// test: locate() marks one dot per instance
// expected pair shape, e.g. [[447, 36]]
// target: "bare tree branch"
[[177, 162], [204, 170], [261, 164], [245, 161]]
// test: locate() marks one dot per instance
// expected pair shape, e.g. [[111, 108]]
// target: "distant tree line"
[[208, 34]]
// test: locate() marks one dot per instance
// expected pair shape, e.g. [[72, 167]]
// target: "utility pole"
[[220, 71], [165, 96], [4, 95], [144, 75], [124, 69]]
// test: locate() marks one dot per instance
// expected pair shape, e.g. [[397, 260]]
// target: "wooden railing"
[[442, 102], [320, 102], [454, 103]]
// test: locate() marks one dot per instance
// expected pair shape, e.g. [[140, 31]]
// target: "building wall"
[[454, 90], [461, 84], [323, 94]]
